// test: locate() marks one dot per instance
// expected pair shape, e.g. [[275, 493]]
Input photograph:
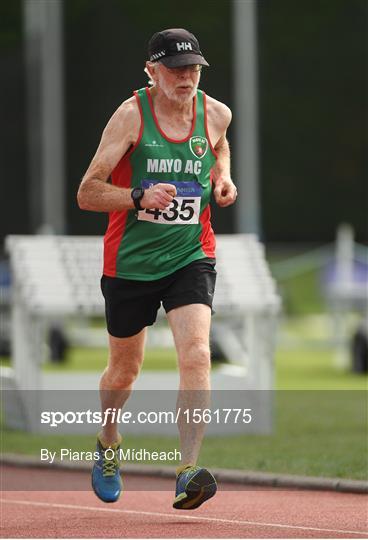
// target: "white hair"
[[151, 82]]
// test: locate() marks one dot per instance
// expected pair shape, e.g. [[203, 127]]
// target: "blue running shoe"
[[106, 480], [194, 486]]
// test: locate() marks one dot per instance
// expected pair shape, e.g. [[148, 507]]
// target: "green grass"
[[316, 433], [320, 416], [301, 294], [296, 369], [96, 359], [301, 291], [308, 369], [321, 432]]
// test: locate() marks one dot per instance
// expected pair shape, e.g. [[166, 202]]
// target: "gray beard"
[[170, 94]]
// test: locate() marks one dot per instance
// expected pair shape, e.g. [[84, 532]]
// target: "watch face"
[[137, 193]]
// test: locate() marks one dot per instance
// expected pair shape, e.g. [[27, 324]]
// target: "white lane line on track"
[[160, 514]]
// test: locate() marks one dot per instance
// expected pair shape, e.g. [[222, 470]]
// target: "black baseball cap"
[[175, 47]]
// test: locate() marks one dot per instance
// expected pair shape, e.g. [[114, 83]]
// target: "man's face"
[[178, 84]]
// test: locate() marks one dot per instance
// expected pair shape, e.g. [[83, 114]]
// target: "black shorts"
[[131, 305]]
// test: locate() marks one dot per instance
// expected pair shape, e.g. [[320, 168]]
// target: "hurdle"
[[58, 276]]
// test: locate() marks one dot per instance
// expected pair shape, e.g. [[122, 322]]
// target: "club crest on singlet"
[[198, 146]]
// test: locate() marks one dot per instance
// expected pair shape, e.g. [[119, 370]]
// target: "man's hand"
[[158, 196], [225, 192]]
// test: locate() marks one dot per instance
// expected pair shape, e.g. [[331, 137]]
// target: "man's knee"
[[125, 360], [122, 374], [195, 357]]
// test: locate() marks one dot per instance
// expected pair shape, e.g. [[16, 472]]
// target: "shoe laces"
[[190, 469], [109, 466]]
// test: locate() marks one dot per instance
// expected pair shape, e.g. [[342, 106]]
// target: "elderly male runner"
[[164, 148]]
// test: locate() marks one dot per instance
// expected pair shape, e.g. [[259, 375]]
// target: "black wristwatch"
[[137, 195]]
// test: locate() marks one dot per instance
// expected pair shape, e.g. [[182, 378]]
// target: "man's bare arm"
[[120, 133], [225, 191], [94, 192], [222, 166]]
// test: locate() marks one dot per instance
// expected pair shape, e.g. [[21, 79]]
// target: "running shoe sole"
[[199, 489]]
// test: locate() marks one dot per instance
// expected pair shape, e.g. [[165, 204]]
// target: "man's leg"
[[190, 325], [125, 360], [191, 329]]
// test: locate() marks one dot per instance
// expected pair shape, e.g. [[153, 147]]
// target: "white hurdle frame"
[[45, 273]]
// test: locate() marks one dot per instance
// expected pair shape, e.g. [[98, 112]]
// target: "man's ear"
[[149, 69]]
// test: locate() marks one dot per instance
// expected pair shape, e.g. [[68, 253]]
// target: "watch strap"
[[137, 195]]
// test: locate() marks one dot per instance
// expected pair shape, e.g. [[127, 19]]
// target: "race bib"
[[184, 209]]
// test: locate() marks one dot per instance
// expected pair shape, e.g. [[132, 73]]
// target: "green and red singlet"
[[154, 243]]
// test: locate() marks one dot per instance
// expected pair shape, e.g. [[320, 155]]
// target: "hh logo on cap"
[[184, 46], [198, 146]]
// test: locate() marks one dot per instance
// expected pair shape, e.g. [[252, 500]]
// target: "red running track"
[[251, 513]]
